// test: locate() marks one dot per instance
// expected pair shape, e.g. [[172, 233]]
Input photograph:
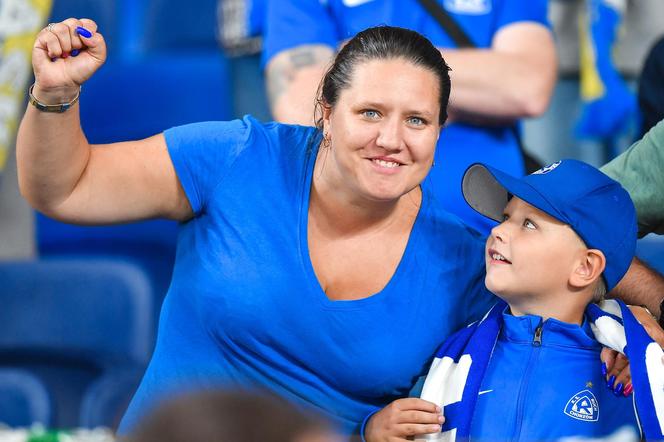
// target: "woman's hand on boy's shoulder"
[[404, 418]]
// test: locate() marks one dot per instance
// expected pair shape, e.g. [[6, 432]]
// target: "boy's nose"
[[499, 232]]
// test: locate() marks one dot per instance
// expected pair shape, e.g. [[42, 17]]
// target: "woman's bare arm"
[[65, 177]]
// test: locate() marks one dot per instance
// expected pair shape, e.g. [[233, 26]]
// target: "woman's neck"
[[337, 212], [340, 210]]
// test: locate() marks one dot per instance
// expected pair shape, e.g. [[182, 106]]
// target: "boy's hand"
[[403, 418]]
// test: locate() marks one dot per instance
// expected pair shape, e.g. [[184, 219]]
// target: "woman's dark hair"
[[382, 43]]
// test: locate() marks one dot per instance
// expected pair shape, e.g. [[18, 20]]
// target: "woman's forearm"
[[52, 151]]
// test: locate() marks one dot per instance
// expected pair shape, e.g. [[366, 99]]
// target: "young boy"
[[530, 370]]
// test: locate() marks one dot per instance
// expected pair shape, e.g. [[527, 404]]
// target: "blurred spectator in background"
[[641, 23], [625, 31], [20, 21], [231, 416], [506, 70], [608, 105], [640, 170], [241, 25], [651, 88]]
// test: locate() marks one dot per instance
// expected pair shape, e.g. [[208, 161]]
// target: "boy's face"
[[530, 255]]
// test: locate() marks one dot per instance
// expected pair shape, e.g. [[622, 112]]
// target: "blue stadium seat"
[[107, 15], [149, 244], [106, 399], [24, 399], [185, 26], [72, 322], [135, 99]]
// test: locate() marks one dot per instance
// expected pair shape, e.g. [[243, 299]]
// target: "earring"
[[326, 141]]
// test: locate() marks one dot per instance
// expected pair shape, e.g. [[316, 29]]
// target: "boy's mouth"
[[495, 256]]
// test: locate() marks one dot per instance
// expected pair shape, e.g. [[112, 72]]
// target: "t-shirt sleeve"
[[202, 153], [513, 11], [640, 170], [291, 23]]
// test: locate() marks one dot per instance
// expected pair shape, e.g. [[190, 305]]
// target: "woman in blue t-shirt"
[[313, 262]]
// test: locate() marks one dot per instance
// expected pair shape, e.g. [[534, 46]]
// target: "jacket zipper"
[[534, 355]]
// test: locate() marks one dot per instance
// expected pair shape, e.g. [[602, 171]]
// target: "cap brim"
[[487, 190]]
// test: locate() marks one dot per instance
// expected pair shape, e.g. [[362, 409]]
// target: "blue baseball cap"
[[595, 206]]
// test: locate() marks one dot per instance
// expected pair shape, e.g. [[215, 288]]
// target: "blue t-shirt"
[[245, 308], [291, 23]]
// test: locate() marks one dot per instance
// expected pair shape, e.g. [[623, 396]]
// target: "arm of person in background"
[[642, 286], [640, 170], [512, 79], [60, 173], [292, 79], [300, 41], [516, 79]]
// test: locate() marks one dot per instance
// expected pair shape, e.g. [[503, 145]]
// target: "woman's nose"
[[390, 136]]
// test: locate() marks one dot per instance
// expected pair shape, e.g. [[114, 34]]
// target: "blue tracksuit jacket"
[[544, 382]]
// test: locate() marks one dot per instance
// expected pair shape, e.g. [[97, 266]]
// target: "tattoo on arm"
[[281, 70]]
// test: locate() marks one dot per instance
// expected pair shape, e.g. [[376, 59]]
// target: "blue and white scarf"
[[456, 374]]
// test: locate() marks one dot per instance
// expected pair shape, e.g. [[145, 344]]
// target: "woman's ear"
[[588, 269], [327, 113]]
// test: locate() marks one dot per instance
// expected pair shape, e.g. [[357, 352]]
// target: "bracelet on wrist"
[[57, 108]]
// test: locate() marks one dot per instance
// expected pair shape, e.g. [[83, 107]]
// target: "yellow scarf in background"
[[20, 22]]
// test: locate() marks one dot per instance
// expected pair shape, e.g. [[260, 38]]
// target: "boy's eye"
[[505, 217], [528, 224]]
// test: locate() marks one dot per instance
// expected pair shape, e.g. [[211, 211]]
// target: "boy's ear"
[[588, 269]]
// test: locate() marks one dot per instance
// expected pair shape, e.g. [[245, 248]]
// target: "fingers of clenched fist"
[[67, 53]]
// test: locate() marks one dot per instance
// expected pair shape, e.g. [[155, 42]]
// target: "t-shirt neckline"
[[316, 289]]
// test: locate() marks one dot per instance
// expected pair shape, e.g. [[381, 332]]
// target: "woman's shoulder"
[[448, 236], [441, 222], [241, 129]]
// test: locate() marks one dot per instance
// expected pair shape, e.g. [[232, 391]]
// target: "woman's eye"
[[505, 217], [528, 224], [372, 114], [416, 121]]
